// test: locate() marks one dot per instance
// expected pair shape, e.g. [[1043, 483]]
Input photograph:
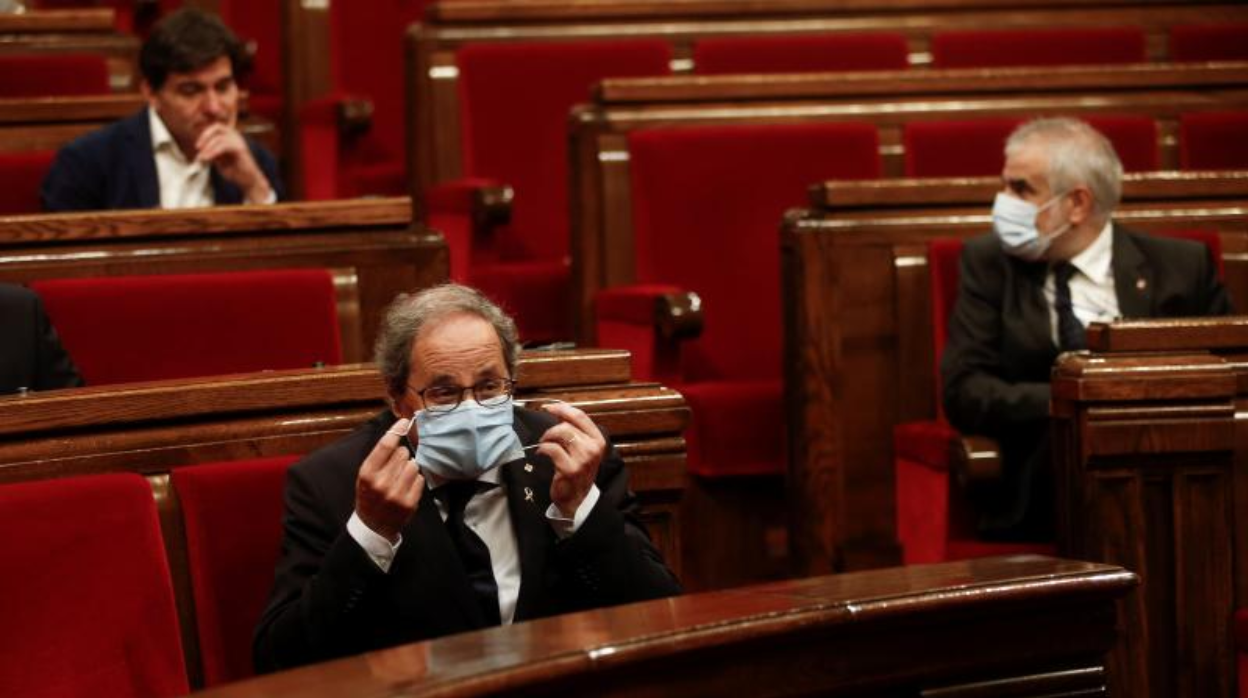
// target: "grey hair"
[[1078, 154], [410, 313]]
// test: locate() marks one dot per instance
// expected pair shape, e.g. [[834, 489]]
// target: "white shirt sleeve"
[[564, 526], [378, 548]]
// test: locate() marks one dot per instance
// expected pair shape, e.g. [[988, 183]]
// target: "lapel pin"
[[1141, 284], [528, 467], [528, 494]]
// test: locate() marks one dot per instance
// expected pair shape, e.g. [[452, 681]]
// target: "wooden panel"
[[957, 625], [82, 30]]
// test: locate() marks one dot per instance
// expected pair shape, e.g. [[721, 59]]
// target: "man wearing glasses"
[[454, 510]]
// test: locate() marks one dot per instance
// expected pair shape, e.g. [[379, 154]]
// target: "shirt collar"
[[1095, 259], [162, 140]]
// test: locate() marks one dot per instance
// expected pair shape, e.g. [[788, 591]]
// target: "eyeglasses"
[[491, 392]]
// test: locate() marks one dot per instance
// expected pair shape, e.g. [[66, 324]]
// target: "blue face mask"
[[1014, 222], [466, 442]]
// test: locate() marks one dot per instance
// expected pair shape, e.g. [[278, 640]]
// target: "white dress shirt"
[[1092, 292], [183, 183], [488, 516]]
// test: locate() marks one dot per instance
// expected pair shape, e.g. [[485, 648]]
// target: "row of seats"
[[94, 611]]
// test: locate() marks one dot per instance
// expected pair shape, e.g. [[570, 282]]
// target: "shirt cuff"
[[565, 527], [270, 199], [379, 550]]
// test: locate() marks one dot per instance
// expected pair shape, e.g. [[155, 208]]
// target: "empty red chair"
[[800, 53], [22, 173], [976, 148], [53, 74], [514, 103], [1214, 140], [985, 48], [88, 602], [135, 328], [233, 517], [1226, 41], [707, 204]]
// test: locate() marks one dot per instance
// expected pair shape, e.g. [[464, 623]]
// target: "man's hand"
[[389, 485], [576, 447], [223, 147]]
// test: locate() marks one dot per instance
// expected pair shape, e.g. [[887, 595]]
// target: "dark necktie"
[[472, 550], [1070, 332]]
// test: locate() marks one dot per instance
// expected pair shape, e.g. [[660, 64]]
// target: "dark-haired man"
[[184, 149]]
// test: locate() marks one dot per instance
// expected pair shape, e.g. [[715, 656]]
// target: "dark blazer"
[[1000, 352], [330, 600], [114, 168], [31, 355]]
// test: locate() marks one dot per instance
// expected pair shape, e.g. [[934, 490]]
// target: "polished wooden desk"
[[155, 428], [1151, 459], [858, 347], [1021, 626]]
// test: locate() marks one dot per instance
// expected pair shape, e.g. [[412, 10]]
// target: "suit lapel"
[[528, 496], [431, 556], [1133, 277], [141, 161]]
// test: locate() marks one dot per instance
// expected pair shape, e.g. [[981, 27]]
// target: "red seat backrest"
[[259, 25], [53, 74], [707, 205], [1214, 140], [88, 603], [1225, 41], [134, 328], [943, 257], [976, 147], [22, 174], [514, 102], [233, 516], [800, 52], [984, 48]]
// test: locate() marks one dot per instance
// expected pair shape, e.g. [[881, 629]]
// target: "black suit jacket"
[[329, 598], [114, 168], [31, 355], [1000, 353]]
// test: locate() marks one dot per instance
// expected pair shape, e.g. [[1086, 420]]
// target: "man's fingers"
[[572, 415], [385, 447]]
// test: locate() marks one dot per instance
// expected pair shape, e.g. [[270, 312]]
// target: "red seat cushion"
[[800, 52], [983, 48], [534, 293], [233, 517], [1214, 140], [699, 210], [53, 74], [135, 328], [22, 174], [89, 607], [737, 428], [1225, 41]]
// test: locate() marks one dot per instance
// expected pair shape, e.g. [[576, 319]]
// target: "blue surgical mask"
[[466, 442], [1014, 222]]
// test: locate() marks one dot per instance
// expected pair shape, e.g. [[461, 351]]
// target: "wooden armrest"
[[678, 316], [975, 461], [355, 116], [491, 207]]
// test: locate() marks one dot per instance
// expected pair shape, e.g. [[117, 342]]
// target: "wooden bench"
[[155, 428], [1150, 460], [1004, 626], [602, 239], [858, 347], [373, 239], [87, 30]]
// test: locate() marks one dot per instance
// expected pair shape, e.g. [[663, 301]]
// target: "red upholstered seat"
[[233, 517], [1214, 140], [259, 25], [706, 221], [514, 100], [801, 52], [88, 601], [22, 174], [134, 328], [983, 48], [1225, 41], [53, 74], [975, 147]]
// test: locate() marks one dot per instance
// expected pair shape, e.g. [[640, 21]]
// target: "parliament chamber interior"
[[734, 233]]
